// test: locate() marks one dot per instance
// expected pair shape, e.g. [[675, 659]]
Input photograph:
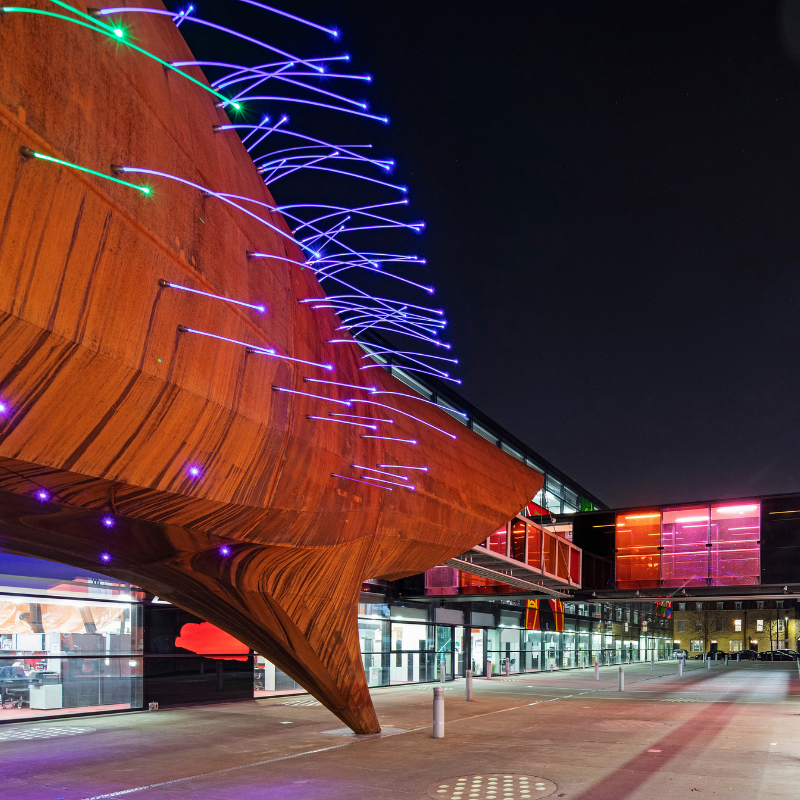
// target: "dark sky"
[[612, 194]]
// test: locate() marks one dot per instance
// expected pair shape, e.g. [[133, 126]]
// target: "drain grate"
[[684, 700], [495, 786], [50, 732], [302, 703]]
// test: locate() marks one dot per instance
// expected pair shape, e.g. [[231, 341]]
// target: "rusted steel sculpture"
[[234, 474]]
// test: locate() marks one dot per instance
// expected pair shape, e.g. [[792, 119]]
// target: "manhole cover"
[[51, 731], [303, 703], [495, 786]]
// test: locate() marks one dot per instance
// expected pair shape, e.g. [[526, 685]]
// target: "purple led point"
[[225, 550], [194, 471], [105, 556], [43, 495], [108, 522]]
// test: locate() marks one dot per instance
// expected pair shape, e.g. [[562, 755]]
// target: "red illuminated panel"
[[534, 546], [498, 540], [575, 566], [549, 554], [735, 551], [518, 533], [562, 560], [638, 558], [684, 537], [204, 638]]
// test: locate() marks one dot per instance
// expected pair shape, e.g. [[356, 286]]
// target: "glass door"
[[478, 649]]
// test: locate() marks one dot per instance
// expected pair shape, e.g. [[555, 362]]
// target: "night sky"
[[612, 194]]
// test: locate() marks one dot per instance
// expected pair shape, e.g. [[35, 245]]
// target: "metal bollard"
[[726, 659], [508, 666], [680, 667], [469, 685], [596, 670], [442, 672], [738, 656], [438, 712], [488, 669], [622, 679], [652, 661], [708, 663]]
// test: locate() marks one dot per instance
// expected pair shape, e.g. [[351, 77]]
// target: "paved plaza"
[[724, 732]]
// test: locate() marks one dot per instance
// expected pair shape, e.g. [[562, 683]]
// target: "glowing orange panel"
[[638, 558]]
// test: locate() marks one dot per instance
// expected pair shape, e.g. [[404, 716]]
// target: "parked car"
[[746, 655], [680, 653], [716, 655], [778, 655]]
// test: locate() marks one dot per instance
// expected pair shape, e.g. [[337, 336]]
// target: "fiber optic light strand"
[[28, 153], [389, 439], [344, 422], [379, 471], [356, 480], [169, 285], [252, 348], [114, 33], [400, 466], [404, 413], [309, 394], [335, 383], [391, 483]]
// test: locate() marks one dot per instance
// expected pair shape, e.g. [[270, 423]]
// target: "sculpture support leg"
[[296, 607]]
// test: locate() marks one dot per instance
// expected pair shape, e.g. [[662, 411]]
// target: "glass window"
[[736, 646], [698, 626], [457, 413], [413, 658], [738, 605], [698, 606], [681, 606], [684, 536], [759, 625], [696, 646], [681, 625], [718, 625], [780, 626], [512, 452], [638, 559], [720, 605], [735, 551], [485, 432], [737, 625], [779, 604], [759, 604], [69, 654]]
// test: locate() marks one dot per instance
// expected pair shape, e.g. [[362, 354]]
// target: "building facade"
[[731, 626]]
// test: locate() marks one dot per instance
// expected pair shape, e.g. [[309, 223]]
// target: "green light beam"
[[113, 32], [28, 153]]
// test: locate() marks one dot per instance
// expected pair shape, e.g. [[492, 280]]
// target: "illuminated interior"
[[638, 558]]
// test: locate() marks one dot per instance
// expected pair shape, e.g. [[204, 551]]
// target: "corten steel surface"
[[109, 403]]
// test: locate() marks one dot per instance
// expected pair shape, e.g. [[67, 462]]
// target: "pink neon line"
[[308, 394], [346, 385], [746, 528], [399, 466], [356, 480], [389, 439], [344, 422], [379, 471], [405, 414], [358, 416], [381, 480]]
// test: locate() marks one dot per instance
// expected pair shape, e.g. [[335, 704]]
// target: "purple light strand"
[[344, 422], [391, 483], [346, 385], [379, 471], [399, 466], [308, 394], [356, 480], [389, 439], [169, 285], [404, 413]]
